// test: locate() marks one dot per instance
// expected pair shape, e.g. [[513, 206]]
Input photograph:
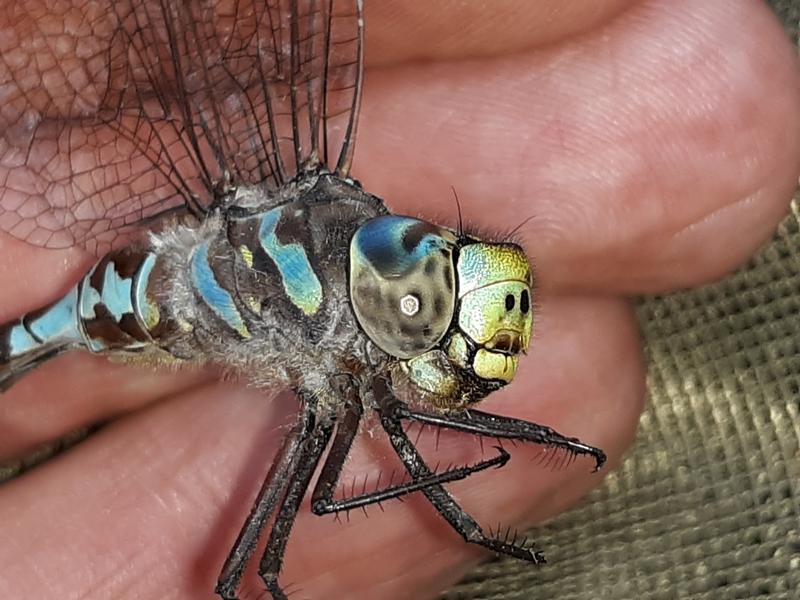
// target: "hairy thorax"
[[261, 287]]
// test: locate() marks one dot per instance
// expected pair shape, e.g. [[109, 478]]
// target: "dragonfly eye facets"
[[402, 283]]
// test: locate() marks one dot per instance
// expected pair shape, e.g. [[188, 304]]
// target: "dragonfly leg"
[[285, 463], [308, 459], [496, 426], [346, 430], [326, 505], [322, 501], [442, 501]]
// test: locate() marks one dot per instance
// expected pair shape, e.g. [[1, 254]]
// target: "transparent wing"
[[111, 119]]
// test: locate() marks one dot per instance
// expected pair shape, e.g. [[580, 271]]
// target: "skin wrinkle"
[[509, 29], [745, 204], [718, 253]]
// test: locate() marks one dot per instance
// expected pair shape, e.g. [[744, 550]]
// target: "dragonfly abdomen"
[[108, 309]]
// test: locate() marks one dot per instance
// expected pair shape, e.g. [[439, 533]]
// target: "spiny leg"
[[346, 430], [496, 426], [441, 500], [323, 506], [308, 459], [322, 501], [285, 463]]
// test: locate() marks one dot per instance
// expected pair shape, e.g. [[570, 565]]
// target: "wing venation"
[[166, 105]]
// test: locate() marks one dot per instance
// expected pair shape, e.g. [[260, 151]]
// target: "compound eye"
[[402, 283]]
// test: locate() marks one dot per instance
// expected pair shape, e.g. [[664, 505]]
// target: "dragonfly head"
[[454, 311]]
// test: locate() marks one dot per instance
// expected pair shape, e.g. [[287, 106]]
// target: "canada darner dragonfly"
[[246, 243]]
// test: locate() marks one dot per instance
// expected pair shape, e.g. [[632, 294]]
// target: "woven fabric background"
[[707, 503]]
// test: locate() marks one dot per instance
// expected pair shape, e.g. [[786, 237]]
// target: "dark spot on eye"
[[419, 296], [426, 331], [438, 305], [414, 234], [370, 294], [510, 302], [430, 267], [409, 330], [447, 273], [525, 302]]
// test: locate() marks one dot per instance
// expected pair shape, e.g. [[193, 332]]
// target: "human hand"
[[655, 145]]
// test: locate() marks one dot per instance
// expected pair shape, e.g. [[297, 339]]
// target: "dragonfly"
[[247, 243]]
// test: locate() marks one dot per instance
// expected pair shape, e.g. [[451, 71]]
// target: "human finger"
[[152, 503]]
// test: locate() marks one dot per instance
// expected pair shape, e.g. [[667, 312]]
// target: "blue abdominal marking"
[[299, 280], [89, 297], [115, 295], [146, 309], [58, 323], [20, 341], [116, 292], [214, 295]]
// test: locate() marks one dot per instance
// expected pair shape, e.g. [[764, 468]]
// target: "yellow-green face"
[[492, 327], [495, 309]]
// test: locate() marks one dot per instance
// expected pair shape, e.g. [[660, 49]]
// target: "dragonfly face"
[[454, 311]]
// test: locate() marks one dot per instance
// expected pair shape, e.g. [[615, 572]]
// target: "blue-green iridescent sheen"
[[213, 294], [298, 278]]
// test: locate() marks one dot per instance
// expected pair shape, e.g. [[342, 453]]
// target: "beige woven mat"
[[707, 504]]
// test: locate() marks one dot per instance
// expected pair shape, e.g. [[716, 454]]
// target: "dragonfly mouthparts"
[[506, 341]]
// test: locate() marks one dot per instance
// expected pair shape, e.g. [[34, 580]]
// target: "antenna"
[[458, 206], [518, 227]]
